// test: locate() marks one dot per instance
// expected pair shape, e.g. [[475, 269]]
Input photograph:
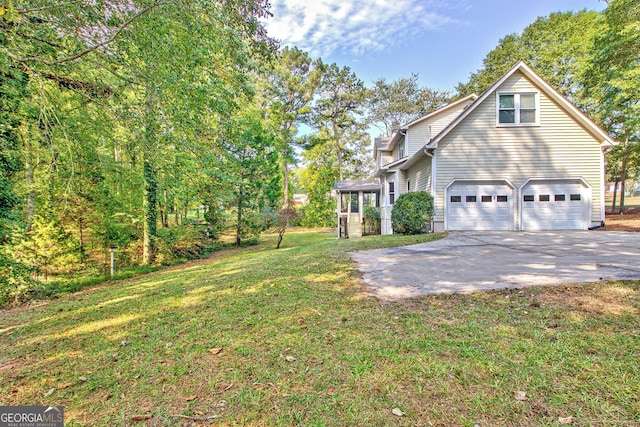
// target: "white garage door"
[[555, 205], [479, 206]]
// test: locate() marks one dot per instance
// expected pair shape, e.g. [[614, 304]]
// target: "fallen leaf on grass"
[[288, 358], [49, 393], [190, 398], [140, 417], [565, 420], [397, 412], [216, 350], [83, 379], [65, 385], [520, 395]]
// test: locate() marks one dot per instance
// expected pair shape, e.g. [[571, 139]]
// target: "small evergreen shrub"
[[412, 213]]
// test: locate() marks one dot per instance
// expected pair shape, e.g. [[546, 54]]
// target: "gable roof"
[[545, 87], [400, 132], [573, 111], [467, 99], [381, 144]]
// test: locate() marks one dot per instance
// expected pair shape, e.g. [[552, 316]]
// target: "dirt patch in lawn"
[[630, 221]]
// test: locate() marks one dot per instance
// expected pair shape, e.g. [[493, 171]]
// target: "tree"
[[181, 98], [284, 217], [393, 104], [614, 80], [317, 180], [249, 161], [557, 46], [339, 108], [292, 84]]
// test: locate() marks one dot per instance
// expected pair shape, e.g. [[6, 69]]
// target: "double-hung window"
[[518, 109]]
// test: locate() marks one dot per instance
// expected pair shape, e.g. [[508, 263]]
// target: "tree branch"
[[87, 51]]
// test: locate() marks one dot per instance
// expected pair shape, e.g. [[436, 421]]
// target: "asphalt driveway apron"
[[466, 262]]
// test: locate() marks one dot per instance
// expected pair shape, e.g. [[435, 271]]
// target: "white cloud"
[[322, 27]]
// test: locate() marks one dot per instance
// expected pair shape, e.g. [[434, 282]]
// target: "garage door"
[[555, 205], [480, 206]]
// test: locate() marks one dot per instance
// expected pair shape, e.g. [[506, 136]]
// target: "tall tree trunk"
[[186, 210], [150, 183], [149, 209], [336, 136], [285, 186], [165, 218], [285, 165], [623, 175], [615, 194]]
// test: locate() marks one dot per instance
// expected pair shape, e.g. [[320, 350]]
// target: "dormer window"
[[518, 109]]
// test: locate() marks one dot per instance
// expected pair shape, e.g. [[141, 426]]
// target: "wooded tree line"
[[128, 122]]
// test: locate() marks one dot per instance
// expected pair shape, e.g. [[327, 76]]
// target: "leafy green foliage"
[[614, 81], [412, 213], [317, 181], [290, 88], [393, 104], [186, 242], [336, 112]]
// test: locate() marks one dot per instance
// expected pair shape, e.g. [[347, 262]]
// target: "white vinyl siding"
[[418, 134], [420, 176], [386, 158], [401, 183], [559, 147]]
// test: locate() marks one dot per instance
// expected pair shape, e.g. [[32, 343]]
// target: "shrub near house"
[[412, 213]]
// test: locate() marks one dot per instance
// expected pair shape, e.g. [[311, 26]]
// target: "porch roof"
[[356, 185]]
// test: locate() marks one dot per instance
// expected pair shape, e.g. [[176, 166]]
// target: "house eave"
[[599, 134]]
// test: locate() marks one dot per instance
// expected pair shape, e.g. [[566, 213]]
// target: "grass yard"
[[261, 337]]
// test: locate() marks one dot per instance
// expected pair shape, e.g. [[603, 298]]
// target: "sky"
[[443, 41]]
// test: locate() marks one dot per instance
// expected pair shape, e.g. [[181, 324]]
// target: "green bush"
[[371, 214], [412, 213], [184, 242]]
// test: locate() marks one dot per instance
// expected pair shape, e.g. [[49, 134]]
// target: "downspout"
[[601, 225], [433, 179]]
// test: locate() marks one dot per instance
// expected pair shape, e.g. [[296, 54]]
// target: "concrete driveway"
[[476, 261]]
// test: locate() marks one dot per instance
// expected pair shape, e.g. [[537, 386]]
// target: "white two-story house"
[[518, 157]]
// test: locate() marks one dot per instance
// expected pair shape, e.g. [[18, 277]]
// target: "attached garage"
[[561, 204], [480, 205]]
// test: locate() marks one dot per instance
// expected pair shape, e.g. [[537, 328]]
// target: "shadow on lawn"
[[300, 345]]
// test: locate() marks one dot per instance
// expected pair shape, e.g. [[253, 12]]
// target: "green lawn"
[[257, 336]]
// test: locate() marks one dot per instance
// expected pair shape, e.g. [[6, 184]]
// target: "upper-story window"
[[401, 150], [518, 109]]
